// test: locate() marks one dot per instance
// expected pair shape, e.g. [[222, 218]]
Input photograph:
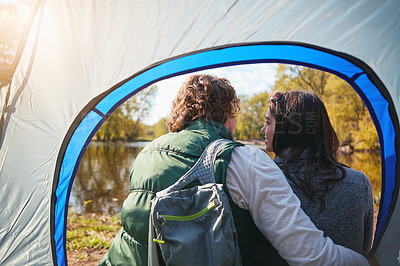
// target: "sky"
[[246, 79]]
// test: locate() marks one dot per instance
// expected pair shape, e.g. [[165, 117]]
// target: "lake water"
[[102, 181]]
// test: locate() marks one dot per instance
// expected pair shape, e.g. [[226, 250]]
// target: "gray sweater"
[[348, 215]]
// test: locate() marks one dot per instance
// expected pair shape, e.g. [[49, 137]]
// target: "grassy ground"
[[89, 237]]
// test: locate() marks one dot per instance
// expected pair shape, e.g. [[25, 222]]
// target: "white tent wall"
[[77, 50]]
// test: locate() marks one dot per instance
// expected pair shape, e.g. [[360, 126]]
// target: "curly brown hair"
[[203, 97]]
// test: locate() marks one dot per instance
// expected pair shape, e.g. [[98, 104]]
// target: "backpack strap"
[[202, 170]]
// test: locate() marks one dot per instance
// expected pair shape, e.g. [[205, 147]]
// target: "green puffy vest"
[[159, 165]]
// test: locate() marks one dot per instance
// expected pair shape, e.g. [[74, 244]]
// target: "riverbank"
[[90, 236]]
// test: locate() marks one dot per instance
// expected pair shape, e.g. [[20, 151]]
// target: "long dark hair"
[[303, 129]]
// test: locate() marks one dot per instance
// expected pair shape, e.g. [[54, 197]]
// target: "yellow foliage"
[[251, 117]]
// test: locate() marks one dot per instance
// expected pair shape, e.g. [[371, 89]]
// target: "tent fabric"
[[84, 58]]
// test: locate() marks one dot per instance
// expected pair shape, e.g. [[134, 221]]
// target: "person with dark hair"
[[338, 199], [262, 201]]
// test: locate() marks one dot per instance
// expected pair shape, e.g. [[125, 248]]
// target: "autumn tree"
[[251, 117], [125, 123], [160, 128]]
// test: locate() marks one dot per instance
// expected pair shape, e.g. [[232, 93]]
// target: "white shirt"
[[257, 184]]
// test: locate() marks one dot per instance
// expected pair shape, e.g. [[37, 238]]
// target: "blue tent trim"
[[354, 71]]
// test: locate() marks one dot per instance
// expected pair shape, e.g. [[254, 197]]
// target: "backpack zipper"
[[167, 217]]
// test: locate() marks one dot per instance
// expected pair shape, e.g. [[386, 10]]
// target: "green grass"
[[91, 231]]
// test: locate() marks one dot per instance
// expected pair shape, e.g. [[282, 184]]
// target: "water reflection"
[[102, 181]]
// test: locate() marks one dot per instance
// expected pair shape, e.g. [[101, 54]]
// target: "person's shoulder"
[[251, 154], [249, 150], [355, 176], [163, 142]]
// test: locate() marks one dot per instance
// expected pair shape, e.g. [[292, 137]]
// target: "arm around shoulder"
[[257, 184]]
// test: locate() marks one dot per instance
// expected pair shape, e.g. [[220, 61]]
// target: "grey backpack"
[[194, 226]]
